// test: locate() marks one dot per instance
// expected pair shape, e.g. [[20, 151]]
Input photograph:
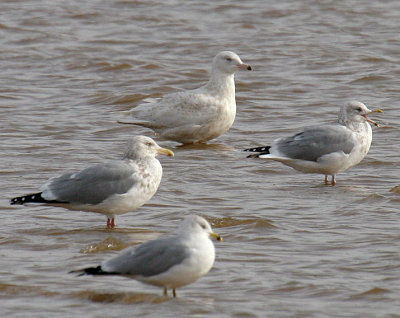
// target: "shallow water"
[[293, 247]]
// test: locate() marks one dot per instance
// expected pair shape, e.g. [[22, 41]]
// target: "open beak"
[[376, 111], [216, 237], [244, 67], [166, 152], [371, 121]]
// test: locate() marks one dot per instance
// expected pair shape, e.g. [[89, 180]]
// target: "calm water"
[[293, 247]]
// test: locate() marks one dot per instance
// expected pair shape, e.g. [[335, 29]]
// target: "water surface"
[[293, 246]]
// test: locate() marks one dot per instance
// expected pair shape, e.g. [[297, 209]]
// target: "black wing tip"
[[87, 271], [35, 197], [258, 149], [91, 271], [15, 201], [261, 151], [80, 272]]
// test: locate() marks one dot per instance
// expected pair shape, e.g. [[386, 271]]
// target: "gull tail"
[[92, 271], [32, 198], [261, 151], [136, 122], [133, 121]]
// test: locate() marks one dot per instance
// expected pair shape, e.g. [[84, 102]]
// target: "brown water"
[[293, 247]]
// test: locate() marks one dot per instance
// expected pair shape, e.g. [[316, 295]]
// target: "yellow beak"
[[376, 111], [371, 121], [216, 237], [166, 152]]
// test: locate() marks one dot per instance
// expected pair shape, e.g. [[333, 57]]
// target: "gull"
[[112, 188], [198, 115], [326, 149], [166, 262]]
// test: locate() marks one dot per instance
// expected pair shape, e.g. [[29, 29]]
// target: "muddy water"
[[293, 247]]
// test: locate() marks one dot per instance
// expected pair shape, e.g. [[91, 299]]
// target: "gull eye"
[[203, 226], [149, 143], [228, 59], [359, 109]]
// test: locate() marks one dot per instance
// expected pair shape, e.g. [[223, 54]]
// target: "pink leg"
[[333, 180], [326, 179], [111, 223]]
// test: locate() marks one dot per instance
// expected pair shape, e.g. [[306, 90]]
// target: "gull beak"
[[371, 121], [244, 67], [216, 236], [166, 152]]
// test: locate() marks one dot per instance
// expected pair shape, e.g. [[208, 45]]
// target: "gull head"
[[196, 225], [140, 147], [355, 111], [228, 63]]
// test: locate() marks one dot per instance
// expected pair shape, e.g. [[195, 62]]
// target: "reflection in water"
[[395, 189], [23, 290], [230, 221], [375, 293], [123, 298], [207, 146], [109, 244]]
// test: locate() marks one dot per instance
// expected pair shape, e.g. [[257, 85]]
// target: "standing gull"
[[198, 115], [326, 149], [166, 262], [111, 188]]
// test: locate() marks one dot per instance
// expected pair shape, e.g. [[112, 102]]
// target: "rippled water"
[[293, 246]]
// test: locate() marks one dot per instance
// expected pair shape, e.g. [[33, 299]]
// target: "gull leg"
[[333, 180], [174, 292], [165, 292], [326, 179], [111, 223]]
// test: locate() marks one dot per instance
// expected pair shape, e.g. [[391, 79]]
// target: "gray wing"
[[92, 185], [148, 259], [315, 142]]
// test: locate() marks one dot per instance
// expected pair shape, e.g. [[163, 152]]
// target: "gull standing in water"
[[166, 262], [111, 188], [198, 115], [327, 149]]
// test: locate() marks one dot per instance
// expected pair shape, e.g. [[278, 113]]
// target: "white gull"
[[327, 149], [198, 115]]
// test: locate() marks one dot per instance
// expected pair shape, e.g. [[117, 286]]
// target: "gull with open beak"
[[198, 115], [327, 149], [112, 188]]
